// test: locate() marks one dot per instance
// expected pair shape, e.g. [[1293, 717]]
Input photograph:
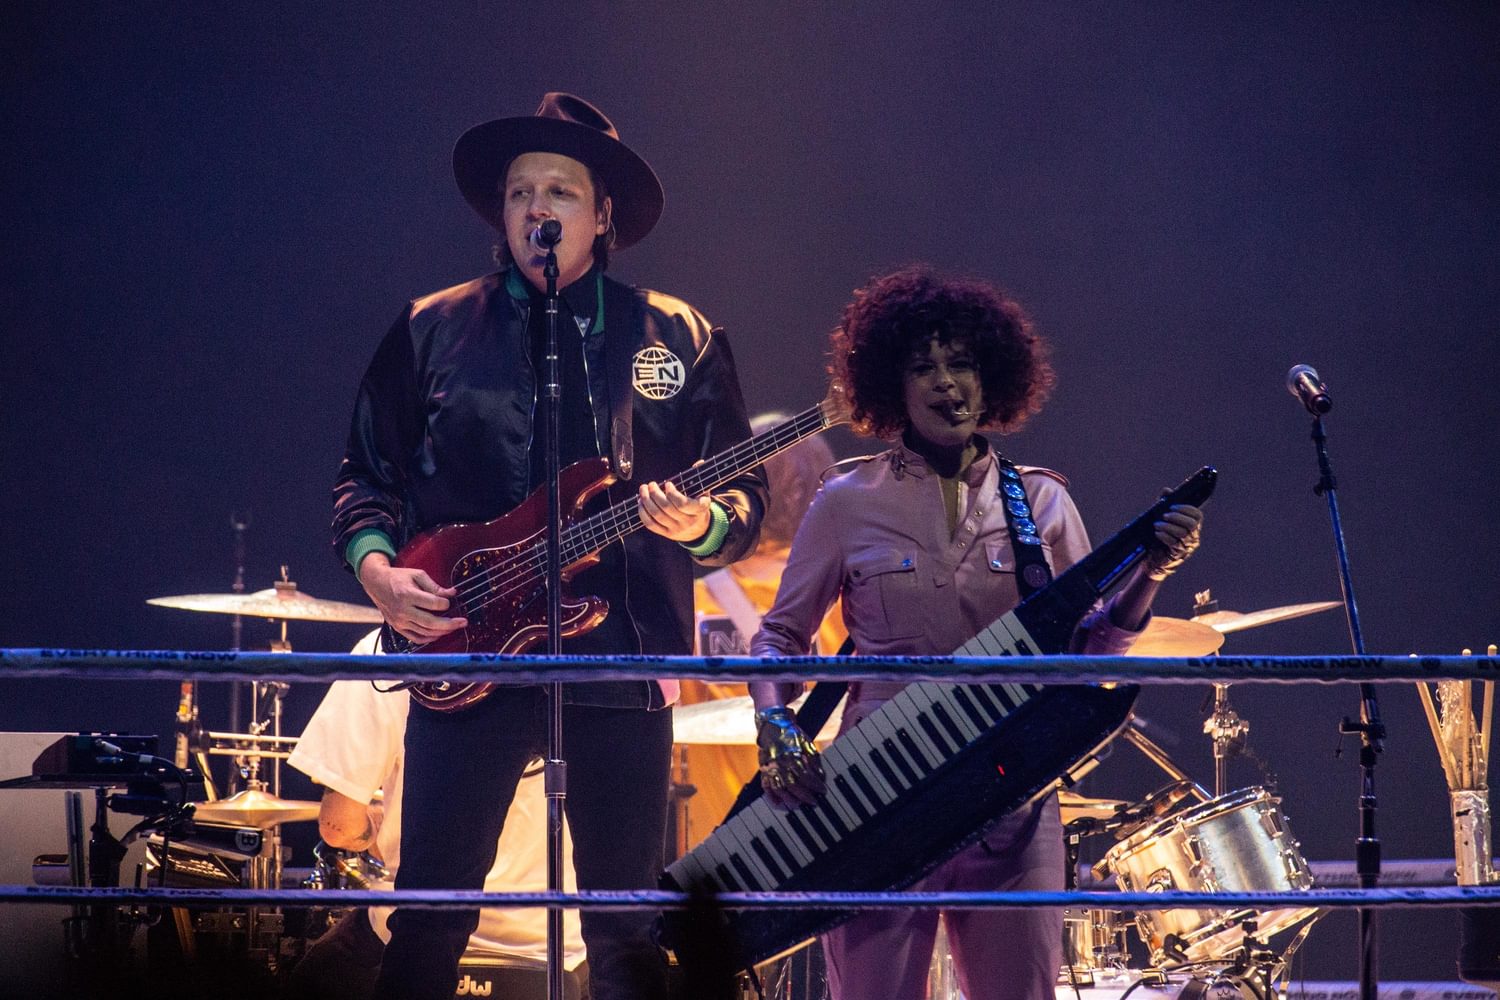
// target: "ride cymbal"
[[1177, 637], [282, 601], [1234, 621]]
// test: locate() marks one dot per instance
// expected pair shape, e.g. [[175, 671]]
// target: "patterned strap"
[[1032, 571]]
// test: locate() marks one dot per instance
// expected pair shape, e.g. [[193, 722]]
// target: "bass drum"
[[1238, 842]]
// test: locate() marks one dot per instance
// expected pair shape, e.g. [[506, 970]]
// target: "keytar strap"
[[1032, 571]]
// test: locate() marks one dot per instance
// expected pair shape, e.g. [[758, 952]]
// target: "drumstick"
[[1437, 734], [1484, 730]]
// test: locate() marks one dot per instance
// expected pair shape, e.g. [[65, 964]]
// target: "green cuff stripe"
[[363, 543], [718, 530]]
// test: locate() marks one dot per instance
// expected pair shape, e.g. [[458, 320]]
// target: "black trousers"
[[461, 774]]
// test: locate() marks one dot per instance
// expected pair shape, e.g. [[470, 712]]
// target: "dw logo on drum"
[[469, 986]]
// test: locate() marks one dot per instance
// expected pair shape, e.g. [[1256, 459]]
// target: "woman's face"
[[944, 395]]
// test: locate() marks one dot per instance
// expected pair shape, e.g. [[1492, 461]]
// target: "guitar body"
[[507, 611]]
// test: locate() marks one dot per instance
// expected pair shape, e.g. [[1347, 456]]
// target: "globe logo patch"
[[657, 373]]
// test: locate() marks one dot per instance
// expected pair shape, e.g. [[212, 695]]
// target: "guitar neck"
[[599, 530]]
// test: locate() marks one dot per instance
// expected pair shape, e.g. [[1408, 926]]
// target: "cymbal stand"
[[240, 523], [1228, 732], [1156, 755], [245, 745]]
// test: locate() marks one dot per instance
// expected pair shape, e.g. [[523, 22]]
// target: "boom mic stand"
[[555, 780], [1370, 729]]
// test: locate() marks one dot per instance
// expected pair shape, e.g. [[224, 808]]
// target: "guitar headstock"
[[835, 405]]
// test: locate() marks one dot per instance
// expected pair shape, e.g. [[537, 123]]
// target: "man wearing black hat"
[[444, 431]]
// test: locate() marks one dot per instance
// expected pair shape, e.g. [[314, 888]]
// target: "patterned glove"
[[791, 769], [1178, 535]]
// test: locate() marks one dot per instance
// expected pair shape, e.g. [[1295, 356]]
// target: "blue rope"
[[1426, 898], [127, 664]]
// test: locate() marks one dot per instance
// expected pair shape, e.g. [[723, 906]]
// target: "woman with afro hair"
[[916, 543]]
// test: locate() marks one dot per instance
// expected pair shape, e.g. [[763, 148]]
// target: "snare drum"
[[1238, 842]]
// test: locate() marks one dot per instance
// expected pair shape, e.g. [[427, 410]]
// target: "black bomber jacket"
[[446, 413]]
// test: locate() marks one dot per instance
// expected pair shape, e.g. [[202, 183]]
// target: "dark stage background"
[[213, 215]]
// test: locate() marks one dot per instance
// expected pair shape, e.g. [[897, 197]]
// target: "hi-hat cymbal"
[[1177, 637], [1075, 806], [730, 722], [283, 601], [1234, 621], [254, 807]]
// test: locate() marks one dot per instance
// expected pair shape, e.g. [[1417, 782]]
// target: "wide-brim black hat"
[[571, 127]]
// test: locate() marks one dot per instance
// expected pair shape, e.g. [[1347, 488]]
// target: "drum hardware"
[[1095, 951], [250, 745], [336, 868], [282, 602], [1228, 732], [1075, 807], [679, 816], [1136, 737]]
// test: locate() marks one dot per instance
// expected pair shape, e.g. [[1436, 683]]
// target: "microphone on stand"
[[545, 236], [1303, 382]]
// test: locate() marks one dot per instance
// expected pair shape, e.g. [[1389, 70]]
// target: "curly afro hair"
[[896, 315]]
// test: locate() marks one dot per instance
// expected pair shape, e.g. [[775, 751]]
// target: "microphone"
[[546, 236], [1303, 382]]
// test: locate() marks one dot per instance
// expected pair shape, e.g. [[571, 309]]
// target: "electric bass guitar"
[[500, 567]]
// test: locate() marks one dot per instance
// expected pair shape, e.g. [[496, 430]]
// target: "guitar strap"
[[1032, 571], [1032, 574], [621, 332]]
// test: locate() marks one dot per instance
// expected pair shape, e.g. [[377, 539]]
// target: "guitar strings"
[[601, 529]]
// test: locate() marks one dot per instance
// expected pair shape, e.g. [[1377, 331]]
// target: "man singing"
[[445, 429]]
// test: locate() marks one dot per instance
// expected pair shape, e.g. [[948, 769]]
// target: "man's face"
[[542, 186]]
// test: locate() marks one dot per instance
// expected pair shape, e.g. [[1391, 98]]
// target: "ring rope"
[[129, 664], [1445, 896]]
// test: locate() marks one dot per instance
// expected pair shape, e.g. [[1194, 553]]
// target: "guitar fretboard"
[[608, 526]]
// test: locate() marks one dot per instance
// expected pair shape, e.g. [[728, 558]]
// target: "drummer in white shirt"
[[352, 746]]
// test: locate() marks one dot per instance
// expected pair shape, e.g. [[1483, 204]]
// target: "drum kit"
[[1232, 840], [236, 840]]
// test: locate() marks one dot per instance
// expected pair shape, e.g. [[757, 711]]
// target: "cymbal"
[[281, 601], [1234, 621], [1075, 806], [730, 722], [254, 807], [1177, 637]]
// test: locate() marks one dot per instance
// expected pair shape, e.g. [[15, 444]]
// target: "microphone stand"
[[1370, 729], [555, 771]]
